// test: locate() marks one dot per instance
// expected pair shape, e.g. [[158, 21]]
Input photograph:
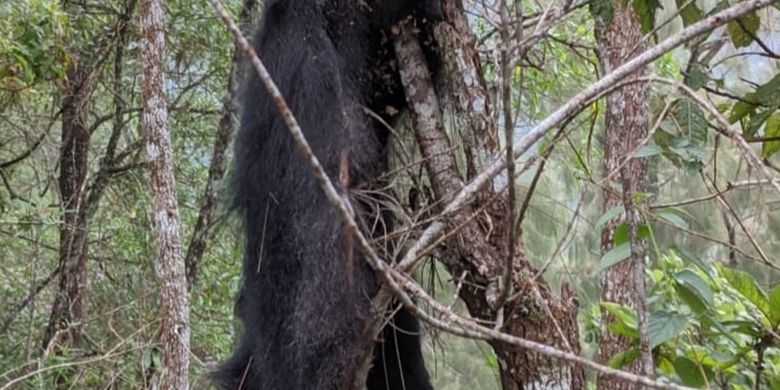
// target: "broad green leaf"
[[602, 10], [694, 259], [621, 313], [756, 121], [692, 280], [697, 77], [749, 328], [742, 30], [643, 231], [690, 14], [690, 372], [608, 216], [649, 150], [772, 129], [706, 357], [664, 362], [767, 95], [744, 283], [645, 12], [774, 380], [622, 329], [744, 107], [620, 235], [774, 306], [614, 256], [672, 217], [662, 326], [691, 120], [622, 359], [624, 320], [691, 298]]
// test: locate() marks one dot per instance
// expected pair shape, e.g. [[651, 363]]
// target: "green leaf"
[[767, 95], [620, 235], [663, 326], [645, 12], [694, 259], [622, 359], [664, 362], [690, 14], [690, 373], [744, 283], [707, 358], [622, 314], [774, 306], [691, 120], [774, 380], [643, 231], [772, 129], [608, 216], [621, 329], [614, 256], [697, 77], [602, 10], [756, 121], [649, 150], [691, 298], [744, 107], [742, 30], [748, 328], [623, 320], [696, 284], [672, 217]]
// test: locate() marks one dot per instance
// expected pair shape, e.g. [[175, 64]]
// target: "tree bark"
[[80, 204], [172, 281], [534, 312], [626, 117], [66, 321]]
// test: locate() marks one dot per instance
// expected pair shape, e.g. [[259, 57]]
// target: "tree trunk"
[[174, 309], [225, 131], [476, 251], [79, 204], [66, 321], [618, 40]]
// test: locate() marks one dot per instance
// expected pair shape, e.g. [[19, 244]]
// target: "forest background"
[[676, 175]]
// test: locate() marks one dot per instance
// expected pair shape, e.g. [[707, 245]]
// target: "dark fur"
[[302, 311]]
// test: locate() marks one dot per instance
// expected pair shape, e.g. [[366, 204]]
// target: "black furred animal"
[[302, 305]]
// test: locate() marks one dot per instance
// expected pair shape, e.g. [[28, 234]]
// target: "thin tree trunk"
[[66, 321], [225, 131], [618, 40], [79, 204], [174, 309]]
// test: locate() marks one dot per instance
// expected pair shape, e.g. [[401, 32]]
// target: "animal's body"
[[302, 305]]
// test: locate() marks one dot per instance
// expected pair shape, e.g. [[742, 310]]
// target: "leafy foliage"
[[742, 30], [645, 11], [33, 36], [724, 310]]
